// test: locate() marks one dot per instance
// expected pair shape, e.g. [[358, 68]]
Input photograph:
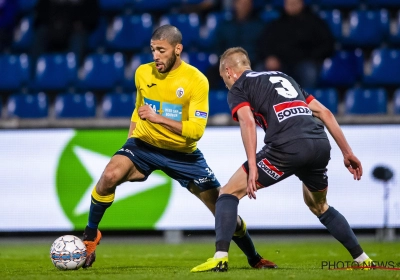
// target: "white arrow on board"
[[94, 164]]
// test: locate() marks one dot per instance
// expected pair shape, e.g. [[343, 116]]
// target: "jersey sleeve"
[[135, 115], [236, 100], [194, 127], [307, 96]]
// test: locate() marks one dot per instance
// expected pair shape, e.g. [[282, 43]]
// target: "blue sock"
[[247, 246], [338, 226], [97, 210], [225, 220]]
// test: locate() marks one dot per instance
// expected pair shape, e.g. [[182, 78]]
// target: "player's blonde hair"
[[235, 57]]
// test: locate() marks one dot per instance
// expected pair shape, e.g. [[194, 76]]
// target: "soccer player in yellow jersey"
[[170, 117]]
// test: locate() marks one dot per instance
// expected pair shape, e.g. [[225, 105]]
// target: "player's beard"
[[169, 64]]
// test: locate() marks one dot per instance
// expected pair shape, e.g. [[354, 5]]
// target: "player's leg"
[[120, 169], [335, 223], [315, 188], [226, 210], [270, 171], [225, 227], [241, 236], [225, 223]]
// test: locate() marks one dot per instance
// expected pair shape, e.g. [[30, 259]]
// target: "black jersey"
[[279, 106]]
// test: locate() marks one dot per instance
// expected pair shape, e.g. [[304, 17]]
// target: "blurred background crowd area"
[[76, 59]]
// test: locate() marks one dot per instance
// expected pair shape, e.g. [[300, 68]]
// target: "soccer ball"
[[68, 252]]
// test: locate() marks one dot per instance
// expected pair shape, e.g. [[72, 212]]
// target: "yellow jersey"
[[181, 95]]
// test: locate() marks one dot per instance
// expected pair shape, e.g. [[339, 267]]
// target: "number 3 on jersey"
[[287, 90]]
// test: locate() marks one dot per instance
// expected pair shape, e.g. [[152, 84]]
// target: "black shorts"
[[183, 167], [305, 158]]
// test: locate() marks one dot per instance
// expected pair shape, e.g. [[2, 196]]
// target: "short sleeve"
[[236, 100], [308, 97]]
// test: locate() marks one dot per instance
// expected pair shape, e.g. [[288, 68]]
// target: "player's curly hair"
[[169, 33]]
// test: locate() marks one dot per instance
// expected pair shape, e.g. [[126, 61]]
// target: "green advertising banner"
[[80, 166], [48, 176]]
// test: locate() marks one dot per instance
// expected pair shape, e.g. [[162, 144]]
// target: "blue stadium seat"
[[385, 68], [367, 28], [218, 103], [55, 72], [345, 68], [188, 24], [118, 105], [21, 105], [383, 3], [75, 105], [135, 62], [269, 15], [147, 6], [14, 71], [207, 34], [101, 72], [337, 4], [201, 60], [130, 32], [26, 6], [396, 101], [112, 5], [23, 34], [97, 37], [329, 97], [334, 20], [365, 101]]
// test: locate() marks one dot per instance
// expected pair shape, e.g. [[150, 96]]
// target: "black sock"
[[97, 210], [338, 226], [225, 220]]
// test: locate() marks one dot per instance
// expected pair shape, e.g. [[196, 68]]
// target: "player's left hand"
[[145, 112], [353, 164]]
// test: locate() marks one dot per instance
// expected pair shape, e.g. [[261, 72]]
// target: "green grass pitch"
[[138, 258]]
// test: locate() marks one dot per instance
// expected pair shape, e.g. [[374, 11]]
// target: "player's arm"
[[351, 162], [194, 126], [131, 129], [249, 137], [145, 112], [135, 116]]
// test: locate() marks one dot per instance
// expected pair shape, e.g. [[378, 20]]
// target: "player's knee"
[[318, 208], [109, 178]]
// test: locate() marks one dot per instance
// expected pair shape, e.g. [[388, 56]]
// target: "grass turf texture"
[[139, 259]]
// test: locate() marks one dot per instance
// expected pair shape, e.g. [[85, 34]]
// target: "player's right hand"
[[252, 183], [145, 112]]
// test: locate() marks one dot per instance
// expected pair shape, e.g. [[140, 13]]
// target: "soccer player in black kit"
[[295, 144]]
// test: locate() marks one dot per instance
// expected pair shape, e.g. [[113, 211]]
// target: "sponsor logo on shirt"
[[270, 169], [172, 111], [290, 109], [200, 114]]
